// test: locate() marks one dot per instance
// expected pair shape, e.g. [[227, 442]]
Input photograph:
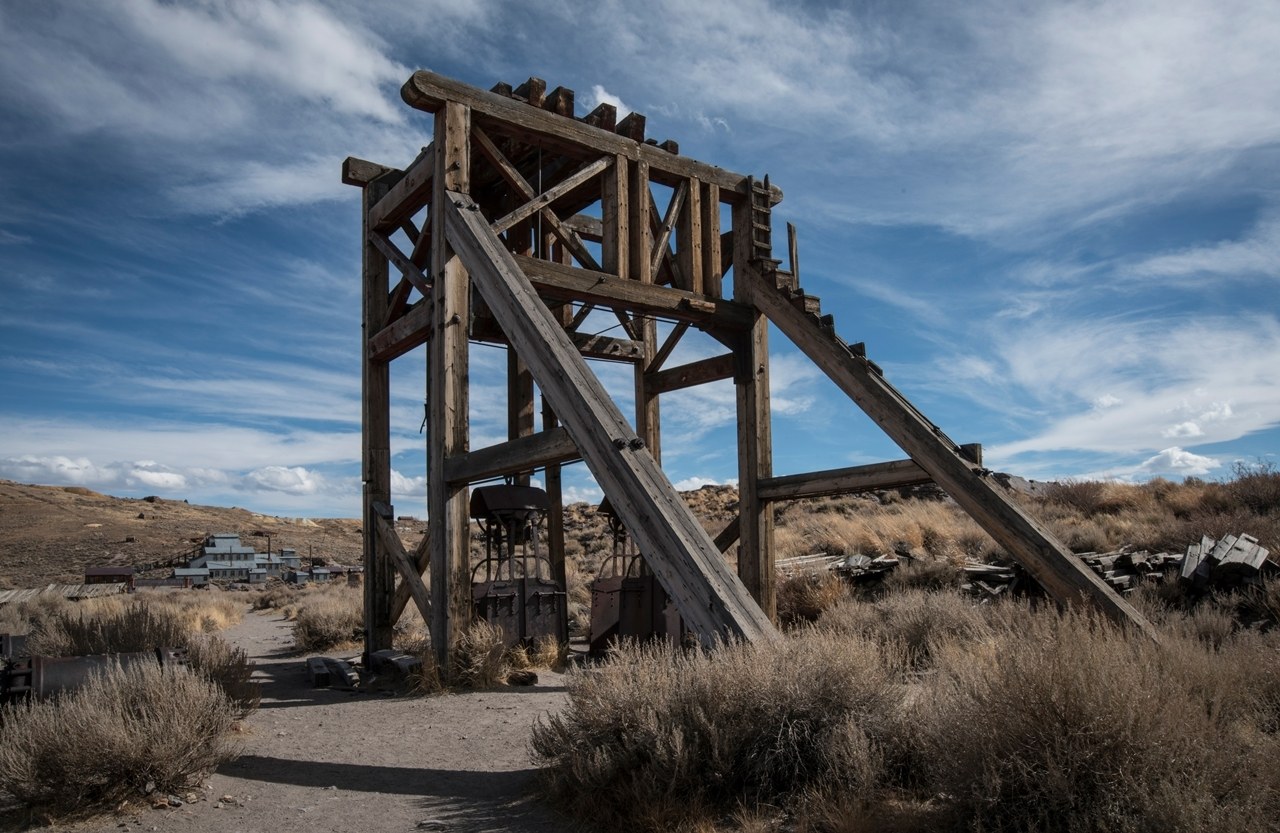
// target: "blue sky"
[[1055, 225]]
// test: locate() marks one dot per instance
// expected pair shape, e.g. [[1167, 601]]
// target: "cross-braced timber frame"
[[516, 224]]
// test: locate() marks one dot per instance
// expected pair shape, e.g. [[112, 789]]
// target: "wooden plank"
[[542, 202], [498, 114], [729, 535], [615, 223], [408, 195], [586, 226], [694, 373], [402, 335], [662, 240], [447, 394], [684, 559], [411, 272], [375, 399], [844, 481], [606, 347], [664, 352], [392, 546], [689, 240], [554, 280], [422, 561], [360, 172], [755, 434], [712, 261], [1065, 577], [533, 451]]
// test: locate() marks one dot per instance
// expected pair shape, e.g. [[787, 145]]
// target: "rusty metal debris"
[[41, 677], [627, 602]]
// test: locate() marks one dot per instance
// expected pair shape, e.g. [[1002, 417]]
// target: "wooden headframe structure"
[[517, 223]]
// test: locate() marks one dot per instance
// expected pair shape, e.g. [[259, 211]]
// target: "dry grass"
[[326, 617], [923, 711], [802, 598], [654, 739], [126, 733]]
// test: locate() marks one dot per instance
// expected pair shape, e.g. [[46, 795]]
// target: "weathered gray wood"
[[504, 116], [411, 272], [844, 481], [607, 347], [662, 240], [447, 394], [673, 338], [391, 545], [755, 433], [554, 280], [689, 240], [713, 266], [520, 454], [422, 561], [408, 195], [699, 372], [361, 172], [402, 335], [1066, 578], [376, 438], [685, 560]]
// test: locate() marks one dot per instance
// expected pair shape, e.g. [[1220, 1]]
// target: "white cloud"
[[599, 95], [294, 480], [1176, 461], [1256, 253]]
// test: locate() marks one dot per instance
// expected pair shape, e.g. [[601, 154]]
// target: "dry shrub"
[[802, 598], [1079, 727], [912, 622], [144, 627], [207, 611], [479, 657], [1256, 487], [922, 574], [274, 598], [127, 732], [672, 739], [325, 621]]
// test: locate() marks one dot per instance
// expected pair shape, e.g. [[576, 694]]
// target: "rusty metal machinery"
[[627, 602], [41, 677], [512, 587]]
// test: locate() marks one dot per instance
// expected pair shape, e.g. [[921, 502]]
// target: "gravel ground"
[[325, 760]]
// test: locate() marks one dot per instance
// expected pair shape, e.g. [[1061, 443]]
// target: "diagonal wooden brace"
[[712, 600]]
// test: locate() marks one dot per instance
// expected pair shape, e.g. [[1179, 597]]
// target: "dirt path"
[[325, 760]]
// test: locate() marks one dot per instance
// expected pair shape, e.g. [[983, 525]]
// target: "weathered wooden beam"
[[689, 240], [586, 227], [662, 241], [1063, 575], [554, 280], [392, 253], [673, 338], [607, 347], [392, 546], [448, 371], [682, 555], [712, 262], [516, 455], [499, 114], [402, 335], [694, 373], [375, 438], [844, 481], [421, 560], [407, 196], [361, 172], [755, 433]]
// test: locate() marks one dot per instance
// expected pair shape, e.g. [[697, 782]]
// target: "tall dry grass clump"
[[655, 739], [124, 734], [1069, 724], [144, 626], [326, 617]]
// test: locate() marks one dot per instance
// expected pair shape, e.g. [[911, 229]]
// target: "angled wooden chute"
[[710, 597]]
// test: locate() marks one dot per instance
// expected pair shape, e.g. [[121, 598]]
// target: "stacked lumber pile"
[[856, 568], [1226, 563], [1125, 570]]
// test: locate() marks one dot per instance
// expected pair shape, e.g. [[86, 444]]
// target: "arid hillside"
[[51, 533]]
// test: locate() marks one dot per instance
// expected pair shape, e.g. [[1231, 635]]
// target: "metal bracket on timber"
[[712, 600], [1064, 576]]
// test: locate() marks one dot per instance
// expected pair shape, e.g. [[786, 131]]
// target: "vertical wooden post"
[[555, 483], [614, 207], [379, 573], [648, 418], [447, 376], [689, 240], [711, 269], [755, 442]]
